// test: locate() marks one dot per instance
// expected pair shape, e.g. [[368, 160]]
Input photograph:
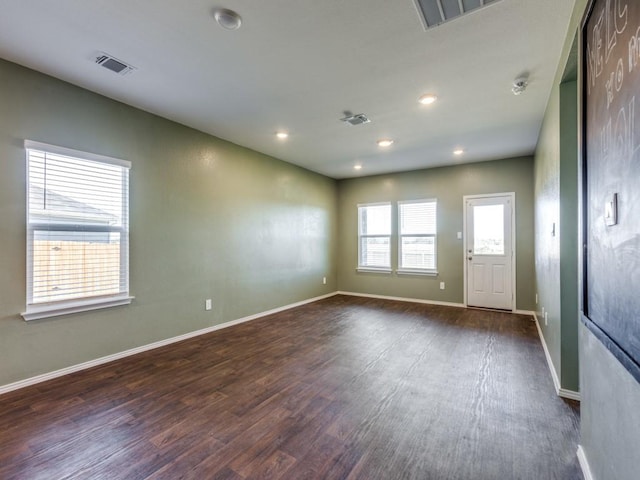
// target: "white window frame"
[[36, 311], [418, 271], [374, 268]]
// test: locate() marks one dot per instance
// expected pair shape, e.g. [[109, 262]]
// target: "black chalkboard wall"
[[610, 51]]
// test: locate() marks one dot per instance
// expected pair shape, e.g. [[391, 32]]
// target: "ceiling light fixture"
[[385, 142], [227, 19], [282, 135], [427, 99], [458, 151], [357, 167]]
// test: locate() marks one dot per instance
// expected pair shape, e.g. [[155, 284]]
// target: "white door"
[[489, 251]]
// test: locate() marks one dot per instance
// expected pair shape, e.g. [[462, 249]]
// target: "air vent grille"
[[111, 63], [435, 12], [358, 119]]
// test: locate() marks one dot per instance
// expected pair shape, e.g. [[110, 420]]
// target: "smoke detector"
[[358, 119], [520, 85], [111, 63], [227, 19]]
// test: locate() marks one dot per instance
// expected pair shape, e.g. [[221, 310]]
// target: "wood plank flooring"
[[344, 388]]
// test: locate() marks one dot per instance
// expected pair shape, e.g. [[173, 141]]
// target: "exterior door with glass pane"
[[489, 251]]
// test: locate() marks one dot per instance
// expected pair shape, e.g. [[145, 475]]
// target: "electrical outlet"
[[207, 304], [324, 280], [441, 285], [546, 319]]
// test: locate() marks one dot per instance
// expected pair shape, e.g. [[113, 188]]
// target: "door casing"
[[512, 197]]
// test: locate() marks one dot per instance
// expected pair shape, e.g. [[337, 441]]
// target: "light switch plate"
[[611, 210]]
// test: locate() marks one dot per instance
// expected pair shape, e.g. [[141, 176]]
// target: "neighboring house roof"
[[60, 208]]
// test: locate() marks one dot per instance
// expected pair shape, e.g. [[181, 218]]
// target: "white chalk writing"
[[616, 23], [620, 139]]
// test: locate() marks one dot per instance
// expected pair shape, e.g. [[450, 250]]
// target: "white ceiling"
[[297, 65]]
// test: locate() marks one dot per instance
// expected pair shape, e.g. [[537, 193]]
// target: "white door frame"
[[512, 196]]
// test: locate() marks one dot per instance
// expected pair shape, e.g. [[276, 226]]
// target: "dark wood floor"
[[344, 388]]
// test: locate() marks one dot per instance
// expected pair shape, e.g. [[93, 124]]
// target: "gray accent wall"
[[448, 185], [610, 412], [610, 396], [209, 219]]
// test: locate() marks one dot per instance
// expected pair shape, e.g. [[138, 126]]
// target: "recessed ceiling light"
[[282, 135], [385, 142], [427, 99], [458, 151], [227, 19], [357, 167]]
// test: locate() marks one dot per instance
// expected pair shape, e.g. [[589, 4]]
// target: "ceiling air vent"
[[111, 63], [435, 12], [358, 119]]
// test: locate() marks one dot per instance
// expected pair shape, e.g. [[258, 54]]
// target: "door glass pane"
[[488, 230]]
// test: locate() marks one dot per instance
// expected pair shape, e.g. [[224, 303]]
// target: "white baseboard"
[[584, 464], [117, 356], [419, 300], [569, 394], [402, 299], [561, 392]]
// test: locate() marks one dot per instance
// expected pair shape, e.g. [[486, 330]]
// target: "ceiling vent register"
[[436, 12], [358, 119], [111, 63]]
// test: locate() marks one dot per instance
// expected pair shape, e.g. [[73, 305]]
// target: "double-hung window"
[[374, 237], [417, 236], [77, 231]]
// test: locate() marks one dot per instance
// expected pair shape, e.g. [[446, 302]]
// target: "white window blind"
[[417, 235], [77, 228], [374, 236]]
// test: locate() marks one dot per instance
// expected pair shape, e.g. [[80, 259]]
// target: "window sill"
[[373, 270], [38, 312], [426, 273]]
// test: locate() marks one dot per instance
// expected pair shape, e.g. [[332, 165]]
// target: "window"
[[417, 236], [374, 236], [77, 231]]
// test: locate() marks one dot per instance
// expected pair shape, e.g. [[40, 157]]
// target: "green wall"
[[569, 305], [547, 212], [209, 219], [556, 257], [448, 185]]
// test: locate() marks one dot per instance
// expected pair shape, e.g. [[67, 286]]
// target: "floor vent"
[[436, 12], [111, 63]]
